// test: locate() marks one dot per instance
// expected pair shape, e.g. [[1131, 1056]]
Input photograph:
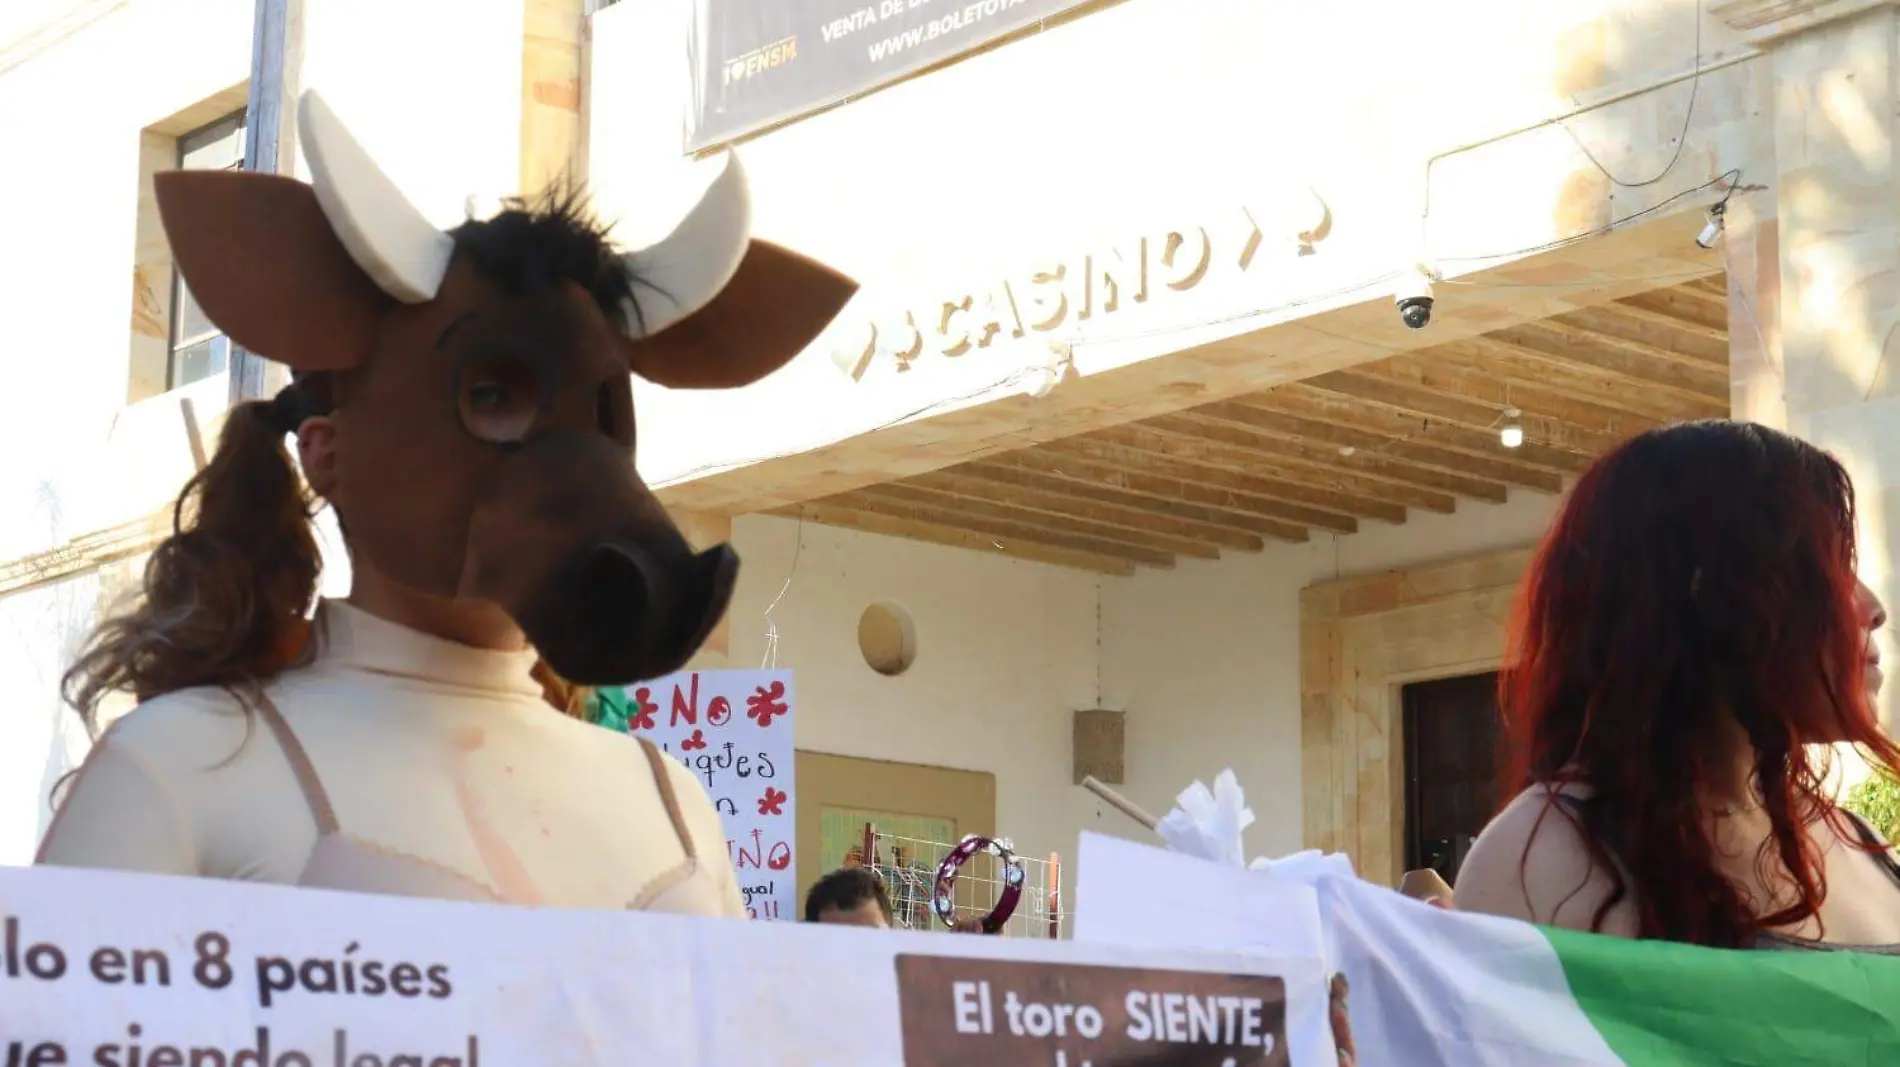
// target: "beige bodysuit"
[[403, 764]]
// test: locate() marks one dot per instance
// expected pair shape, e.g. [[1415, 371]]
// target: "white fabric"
[[1429, 988], [1208, 823]]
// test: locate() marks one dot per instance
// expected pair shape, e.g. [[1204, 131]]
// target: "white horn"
[[683, 271], [383, 232]]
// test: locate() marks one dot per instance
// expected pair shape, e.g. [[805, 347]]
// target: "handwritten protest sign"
[[118, 970], [734, 730]]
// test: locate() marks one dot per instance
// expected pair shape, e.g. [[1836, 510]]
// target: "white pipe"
[[1628, 94], [194, 437]]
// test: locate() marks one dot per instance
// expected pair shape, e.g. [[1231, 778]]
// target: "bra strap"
[[300, 766], [1883, 852], [664, 780]]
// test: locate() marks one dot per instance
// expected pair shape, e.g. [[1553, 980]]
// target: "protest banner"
[[118, 970], [734, 730], [1434, 988]]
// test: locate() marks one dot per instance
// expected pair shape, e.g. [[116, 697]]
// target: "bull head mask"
[[484, 444]]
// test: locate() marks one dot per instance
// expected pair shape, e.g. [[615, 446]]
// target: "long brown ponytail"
[[224, 597]]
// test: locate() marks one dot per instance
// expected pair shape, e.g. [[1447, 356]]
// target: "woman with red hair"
[[1690, 637]]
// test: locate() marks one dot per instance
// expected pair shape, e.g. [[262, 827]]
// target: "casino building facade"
[[1214, 367]]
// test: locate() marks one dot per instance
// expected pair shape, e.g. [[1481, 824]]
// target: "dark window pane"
[[218, 146], [200, 361], [199, 351], [189, 323]]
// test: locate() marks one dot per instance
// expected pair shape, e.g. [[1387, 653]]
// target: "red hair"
[[1699, 577]]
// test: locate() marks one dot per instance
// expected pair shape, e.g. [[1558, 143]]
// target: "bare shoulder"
[[1532, 863]]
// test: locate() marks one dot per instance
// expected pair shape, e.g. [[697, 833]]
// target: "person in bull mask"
[[463, 401]]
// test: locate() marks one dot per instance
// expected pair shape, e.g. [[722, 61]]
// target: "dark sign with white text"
[[760, 62], [960, 1012]]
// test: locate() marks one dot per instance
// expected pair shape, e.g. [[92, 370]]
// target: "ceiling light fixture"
[[1512, 434]]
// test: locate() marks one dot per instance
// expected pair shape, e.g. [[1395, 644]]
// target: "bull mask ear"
[[388, 238], [713, 308], [302, 273], [267, 269]]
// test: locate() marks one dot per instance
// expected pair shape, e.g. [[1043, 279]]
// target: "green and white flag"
[[1432, 988]]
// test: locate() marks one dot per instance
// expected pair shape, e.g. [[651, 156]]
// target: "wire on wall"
[[769, 660], [1682, 139], [1098, 642], [1732, 178]]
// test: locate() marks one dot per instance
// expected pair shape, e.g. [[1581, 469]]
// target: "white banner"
[[139, 971], [734, 730]]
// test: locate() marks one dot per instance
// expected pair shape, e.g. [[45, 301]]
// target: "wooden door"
[[1453, 747], [837, 795]]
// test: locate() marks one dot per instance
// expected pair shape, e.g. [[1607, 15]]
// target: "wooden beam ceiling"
[[1417, 430]]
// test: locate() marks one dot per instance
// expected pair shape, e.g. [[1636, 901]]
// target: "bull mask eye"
[[498, 397]]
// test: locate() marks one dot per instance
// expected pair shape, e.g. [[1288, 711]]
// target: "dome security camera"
[[1414, 299]]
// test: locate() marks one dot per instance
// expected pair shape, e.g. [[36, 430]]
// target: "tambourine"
[[1013, 878]]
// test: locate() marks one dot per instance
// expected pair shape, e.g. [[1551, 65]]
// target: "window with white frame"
[[198, 349]]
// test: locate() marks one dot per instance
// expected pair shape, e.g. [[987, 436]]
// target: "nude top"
[[403, 764]]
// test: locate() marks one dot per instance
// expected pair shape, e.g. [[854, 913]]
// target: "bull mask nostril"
[[612, 591], [596, 623], [613, 619], [715, 572]]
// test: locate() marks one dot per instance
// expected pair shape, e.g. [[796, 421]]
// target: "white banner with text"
[[119, 970]]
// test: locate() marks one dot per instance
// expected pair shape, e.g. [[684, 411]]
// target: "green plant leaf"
[[1878, 801]]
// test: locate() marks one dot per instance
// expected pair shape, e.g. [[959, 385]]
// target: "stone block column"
[[1758, 388], [553, 66], [1832, 307]]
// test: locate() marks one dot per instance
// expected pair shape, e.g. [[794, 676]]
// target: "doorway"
[[837, 795], [1454, 741]]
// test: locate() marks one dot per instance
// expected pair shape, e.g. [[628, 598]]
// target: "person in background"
[[849, 896], [1343, 1044], [1688, 641]]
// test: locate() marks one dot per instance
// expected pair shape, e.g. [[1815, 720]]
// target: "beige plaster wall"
[[1212, 661], [75, 116], [435, 99], [1204, 660]]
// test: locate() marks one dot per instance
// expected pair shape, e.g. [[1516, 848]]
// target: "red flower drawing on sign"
[[643, 709], [694, 743], [767, 704], [773, 802]]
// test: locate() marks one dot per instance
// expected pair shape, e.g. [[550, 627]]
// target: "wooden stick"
[[1120, 803], [193, 435], [1055, 896]]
